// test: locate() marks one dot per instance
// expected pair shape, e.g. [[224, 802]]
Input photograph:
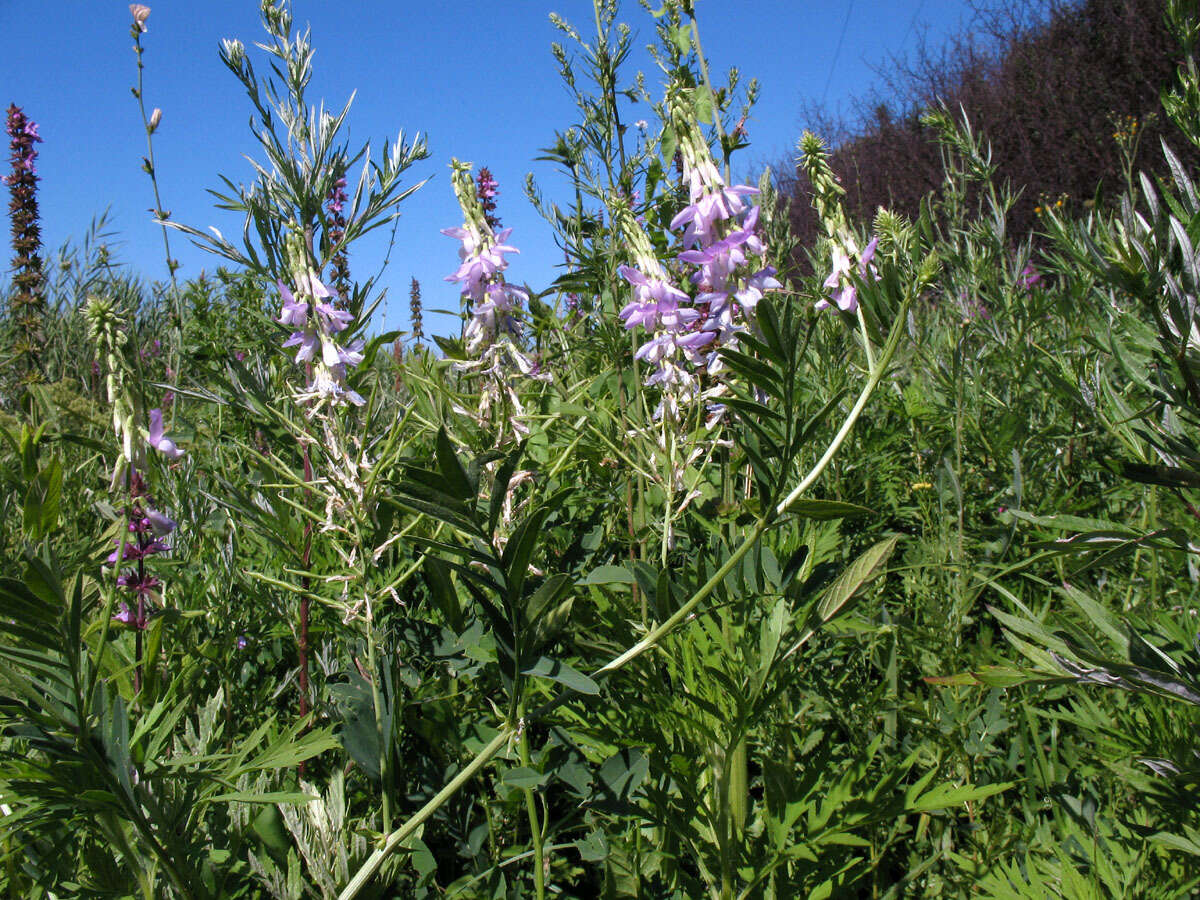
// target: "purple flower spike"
[[160, 441], [135, 551]]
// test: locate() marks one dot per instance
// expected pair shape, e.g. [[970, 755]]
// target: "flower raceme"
[[493, 304], [492, 334], [676, 338], [726, 259], [317, 320]]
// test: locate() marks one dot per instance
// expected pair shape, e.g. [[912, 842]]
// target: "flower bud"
[[235, 51], [155, 118], [140, 14]]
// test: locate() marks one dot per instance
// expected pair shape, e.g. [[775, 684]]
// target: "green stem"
[[535, 827], [708, 84], [862, 327], [158, 211], [668, 434], [405, 831], [377, 700]]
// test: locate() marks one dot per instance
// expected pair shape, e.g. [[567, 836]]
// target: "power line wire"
[[838, 52]]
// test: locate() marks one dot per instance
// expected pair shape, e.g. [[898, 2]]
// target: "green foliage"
[[848, 635]]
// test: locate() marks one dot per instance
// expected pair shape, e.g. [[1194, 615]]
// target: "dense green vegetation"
[[671, 580]]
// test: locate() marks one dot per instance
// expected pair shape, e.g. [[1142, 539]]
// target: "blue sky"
[[477, 78]]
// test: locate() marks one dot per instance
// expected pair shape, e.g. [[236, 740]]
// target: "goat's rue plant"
[[571, 607]]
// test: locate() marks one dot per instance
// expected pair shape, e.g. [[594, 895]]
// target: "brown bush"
[[1045, 84]]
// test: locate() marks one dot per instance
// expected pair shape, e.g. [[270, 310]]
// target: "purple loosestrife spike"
[[141, 584], [339, 271], [27, 306], [136, 551], [414, 310], [486, 189]]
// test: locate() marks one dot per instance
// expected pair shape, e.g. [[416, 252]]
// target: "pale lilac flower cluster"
[[310, 311], [730, 274], [492, 302], [845, 294], [492, 334], [676, 345], [339, 265], [725, 254]]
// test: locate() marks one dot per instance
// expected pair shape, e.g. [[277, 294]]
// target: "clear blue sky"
[[477, 78]]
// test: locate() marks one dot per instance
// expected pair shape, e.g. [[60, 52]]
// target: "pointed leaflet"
[[557, 670], [520, 547], [457, 482], [861, 571], [441, 589], [826, 509]]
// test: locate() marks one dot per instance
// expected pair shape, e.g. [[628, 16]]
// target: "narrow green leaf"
[[557, 670], [524, 778], [451, 469], [607, 575], [827, 509]]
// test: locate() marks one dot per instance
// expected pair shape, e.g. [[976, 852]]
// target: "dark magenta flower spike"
[[28, 305]]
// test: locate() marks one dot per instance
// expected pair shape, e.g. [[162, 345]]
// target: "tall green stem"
[[409, 828], [377, 701], [159, 212], [535, 827]]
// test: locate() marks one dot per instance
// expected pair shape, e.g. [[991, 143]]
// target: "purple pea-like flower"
[[479, 263], [294, 312], [333, 320], [160, 441], [160, 523], [128, 616], [839, 281], [307, 341], [653, 299]]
